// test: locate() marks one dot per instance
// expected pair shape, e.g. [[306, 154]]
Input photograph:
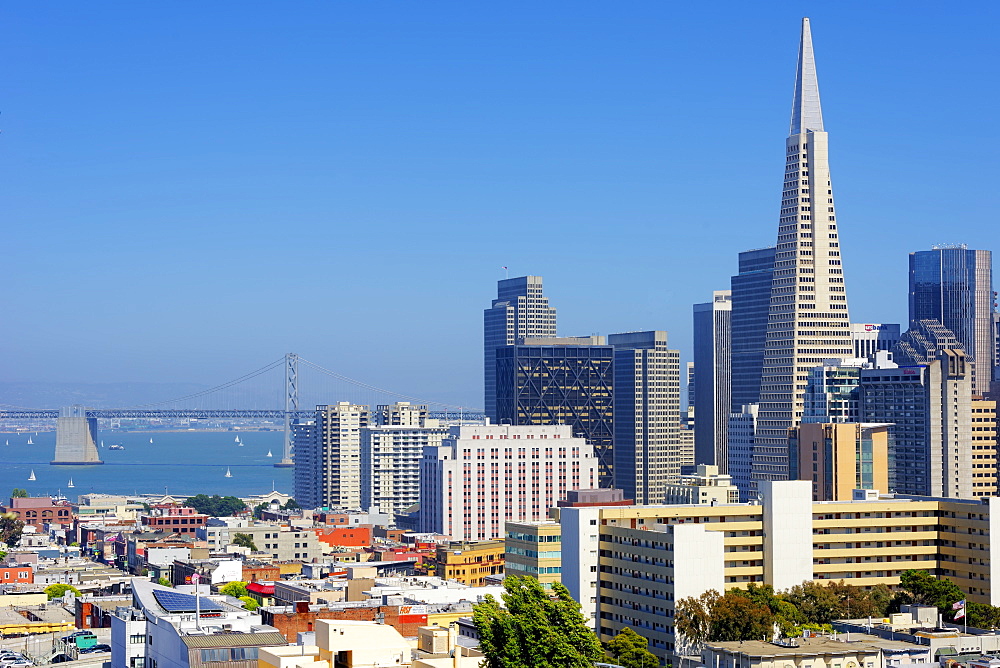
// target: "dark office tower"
[[954, 285], [930, 409], [713, 378], [647, 448], [808, 320], [519, 311], [560, 381], [751, 297]]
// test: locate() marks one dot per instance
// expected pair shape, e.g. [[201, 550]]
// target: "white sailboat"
[[71, 483], [102, 444], [32, 476], [150, 441], [229, 474], [8, 442], [269, 454], [238, 441], [30, 442]]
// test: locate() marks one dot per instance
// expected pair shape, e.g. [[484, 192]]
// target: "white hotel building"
[[481, 477]]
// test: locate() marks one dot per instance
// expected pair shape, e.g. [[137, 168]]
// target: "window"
[[214, 655], [136, 639], [244, 654]]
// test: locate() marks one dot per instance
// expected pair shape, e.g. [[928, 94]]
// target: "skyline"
[[603, 136]]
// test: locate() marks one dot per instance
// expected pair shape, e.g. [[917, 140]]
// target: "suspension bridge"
[[77, 426]]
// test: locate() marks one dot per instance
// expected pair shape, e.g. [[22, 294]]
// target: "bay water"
[[178, 462]]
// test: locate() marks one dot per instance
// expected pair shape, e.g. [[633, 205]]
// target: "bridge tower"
[[291, 406], [76, 437]]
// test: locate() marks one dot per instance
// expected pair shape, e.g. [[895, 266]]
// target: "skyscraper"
[[713, 379], [564, 380], [808, 320], [751, 297], [954, 285], [647, 450], [519, 311]]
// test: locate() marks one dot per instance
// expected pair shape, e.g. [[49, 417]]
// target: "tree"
[[165, 582], [235, 589], [536, 629], [629, 649], [249, 603], [216, 506], [291, 504], [58, 589], [10, 529], [244, 540], [730, 616], [19, 493], [925, 589], [258, 510]]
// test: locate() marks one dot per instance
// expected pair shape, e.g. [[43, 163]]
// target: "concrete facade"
[[76, 437]]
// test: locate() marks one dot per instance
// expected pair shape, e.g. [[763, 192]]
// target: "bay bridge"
[[76, 425]]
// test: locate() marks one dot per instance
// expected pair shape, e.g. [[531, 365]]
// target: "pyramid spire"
[[806, 111]]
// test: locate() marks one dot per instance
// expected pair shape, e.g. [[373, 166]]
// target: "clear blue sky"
[[189, 190]]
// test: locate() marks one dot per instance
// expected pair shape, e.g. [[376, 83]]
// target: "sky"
[[190, 190]]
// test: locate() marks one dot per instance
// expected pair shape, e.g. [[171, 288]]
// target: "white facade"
[[580, 563], [328, 457], [808, 319], [482, 476], [705, 486], [871, 337], [390, 464], [788, 532]]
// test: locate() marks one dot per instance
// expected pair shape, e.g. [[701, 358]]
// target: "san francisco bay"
[[179, 462]]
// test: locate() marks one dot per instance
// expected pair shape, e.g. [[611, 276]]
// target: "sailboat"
[[71, 483], [150, 441], [238, 441], [8, 442], [30, 442], [32, 476], [269, 454], [102, 444], [229, 474]]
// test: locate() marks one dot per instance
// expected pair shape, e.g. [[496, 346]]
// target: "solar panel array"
[[174, 601]]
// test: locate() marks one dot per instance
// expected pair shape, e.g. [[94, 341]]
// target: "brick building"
[[38, 511], [23, 574], [302, 617], [174, 519], [348, 536]]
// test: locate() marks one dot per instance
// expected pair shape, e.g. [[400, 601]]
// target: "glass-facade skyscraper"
[[954, 285], [520, 310], [750, 292], [567, 383]]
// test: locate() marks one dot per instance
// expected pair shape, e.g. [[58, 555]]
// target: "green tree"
[[235, 589], [244, 540], [165, 582], [536, 629], [249, 603], [19, 493], [925, 589], [631, 650], [10, 529], [291, 504], [58, 589], [216, 506], [719, 617], [258, 510], [2, 554]]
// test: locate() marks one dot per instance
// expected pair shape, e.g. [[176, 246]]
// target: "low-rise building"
[[38, 511], [469, 562], [174, 519], [282, 543], [705, 486], [22, 574], [534, 549]]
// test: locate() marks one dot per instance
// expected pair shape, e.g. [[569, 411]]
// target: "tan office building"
[[840, 458]]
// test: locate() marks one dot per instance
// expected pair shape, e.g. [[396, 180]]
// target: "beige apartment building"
[[629, 565], [984, 448]]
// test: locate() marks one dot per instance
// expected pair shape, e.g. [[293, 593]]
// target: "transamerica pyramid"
[[808, 320]]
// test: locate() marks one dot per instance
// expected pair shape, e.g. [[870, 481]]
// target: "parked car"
[[76, 634]]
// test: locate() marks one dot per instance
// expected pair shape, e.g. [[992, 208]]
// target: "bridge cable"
[[379, 389], [252, 374]]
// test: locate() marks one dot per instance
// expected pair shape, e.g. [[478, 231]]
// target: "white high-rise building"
[[483, 476], [390, 456], [871, 337], [808, 321], [328, 457]]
